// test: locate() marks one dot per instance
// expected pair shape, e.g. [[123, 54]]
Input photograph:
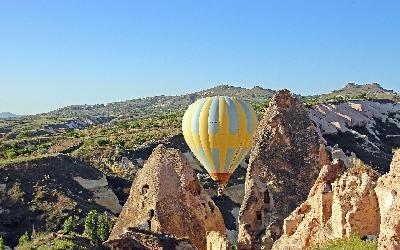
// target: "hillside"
[[368, 91], [148, 106], [160, 104], [39, 194]]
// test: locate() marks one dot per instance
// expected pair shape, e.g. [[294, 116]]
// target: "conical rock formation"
[[167, 198], [284, 164]]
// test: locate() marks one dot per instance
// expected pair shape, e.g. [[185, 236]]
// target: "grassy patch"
[[349, 243]]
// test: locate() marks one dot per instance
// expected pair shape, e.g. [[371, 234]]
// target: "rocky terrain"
[[345, 202], [52, 167], [370, 129]]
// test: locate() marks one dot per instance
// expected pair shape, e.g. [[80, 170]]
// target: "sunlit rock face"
[[341, 203], [166, 197], [286, 158], [388, 191]]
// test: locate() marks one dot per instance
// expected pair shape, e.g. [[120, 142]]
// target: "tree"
[[69, 225], [91, 226], [103, 227], [1, 243], [23, 239]]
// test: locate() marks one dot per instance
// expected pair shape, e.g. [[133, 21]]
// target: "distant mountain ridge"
[[160, 104], [152, 105], [7, 115]]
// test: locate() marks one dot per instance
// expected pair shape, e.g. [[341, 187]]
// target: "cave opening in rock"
[[211, 206], [151, 213], [145, 188], [267, 200], [259, 215]]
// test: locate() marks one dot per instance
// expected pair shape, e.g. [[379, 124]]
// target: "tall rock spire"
[[284, 163]]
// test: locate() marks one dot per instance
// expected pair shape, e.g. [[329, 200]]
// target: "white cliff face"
[[102, 194], [370, 129], [333, 118]]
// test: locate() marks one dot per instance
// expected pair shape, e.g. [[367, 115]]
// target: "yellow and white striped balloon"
[[219, 131]]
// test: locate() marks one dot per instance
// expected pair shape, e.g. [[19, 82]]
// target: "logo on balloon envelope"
[[219, 131]]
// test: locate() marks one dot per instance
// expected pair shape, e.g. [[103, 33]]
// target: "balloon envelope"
[[219, 131]]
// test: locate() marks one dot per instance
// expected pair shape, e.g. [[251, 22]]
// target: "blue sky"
[[57, 53]]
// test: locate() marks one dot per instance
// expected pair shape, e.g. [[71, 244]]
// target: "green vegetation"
[[63, 244], [51, 241], [24, 239], [259, 107], [91, 226], [69, 225], [353, 242], [1, 243], [103, 227], [97, 226]]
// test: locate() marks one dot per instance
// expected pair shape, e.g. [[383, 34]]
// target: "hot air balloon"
[[219, 131]]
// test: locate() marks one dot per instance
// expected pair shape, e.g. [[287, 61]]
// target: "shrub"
[[91, 226], [102, 141], [103, 227], [69, 225], [16, 192], [63, 244], [11, 153], [97, 226], [24, 239], [353, 242]]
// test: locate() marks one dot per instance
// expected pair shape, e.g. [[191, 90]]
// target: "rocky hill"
[[362, 91], [257, 95], [7, 115], [160, 104]]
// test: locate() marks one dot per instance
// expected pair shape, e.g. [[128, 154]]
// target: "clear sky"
[[57, 53]]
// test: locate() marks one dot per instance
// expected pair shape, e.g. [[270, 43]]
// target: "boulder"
[[166, 197], [102, 194], [286, 158], [138, 239]]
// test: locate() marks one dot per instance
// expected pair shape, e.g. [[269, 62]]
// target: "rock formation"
[[370, 129], [102, 194], [284, 164], [166, 197], [307, 222], [338, 205], [216, 241], [355, 208], [139, 239], [388, 190]]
